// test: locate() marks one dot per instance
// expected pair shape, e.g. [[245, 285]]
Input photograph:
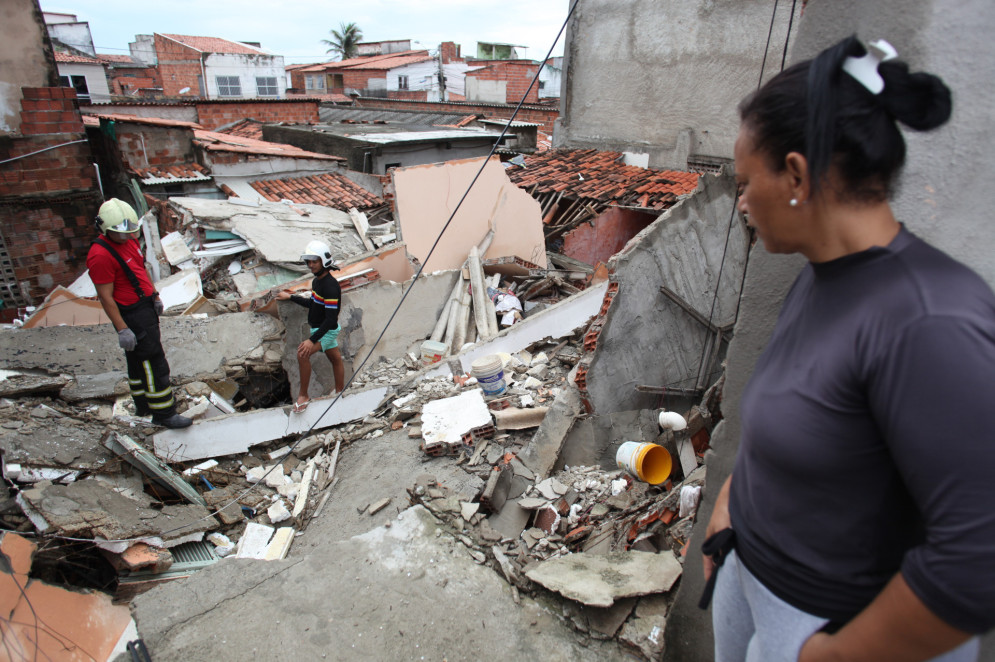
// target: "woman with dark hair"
[[859, 520]]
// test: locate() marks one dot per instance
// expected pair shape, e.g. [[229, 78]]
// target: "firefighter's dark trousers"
[[148, 371]]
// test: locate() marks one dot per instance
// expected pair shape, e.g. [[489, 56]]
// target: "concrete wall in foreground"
[[663, 77], [946, 198]]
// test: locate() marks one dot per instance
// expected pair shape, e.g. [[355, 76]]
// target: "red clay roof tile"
[[214, 44], [329, 189], [588, 173]]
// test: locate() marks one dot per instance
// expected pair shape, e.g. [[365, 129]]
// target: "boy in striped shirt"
[[322, 317]]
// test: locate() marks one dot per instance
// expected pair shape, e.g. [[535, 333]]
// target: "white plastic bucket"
[[489, 372], [432, 352], [649, 463]]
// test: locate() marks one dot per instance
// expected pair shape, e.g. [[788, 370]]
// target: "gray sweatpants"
[[754, 625]]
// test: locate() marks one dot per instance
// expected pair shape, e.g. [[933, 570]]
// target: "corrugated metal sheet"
[[420, 118]]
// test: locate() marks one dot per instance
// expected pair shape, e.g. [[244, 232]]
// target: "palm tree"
[[344, 40]]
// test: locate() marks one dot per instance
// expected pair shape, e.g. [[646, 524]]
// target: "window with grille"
[[229, 86], [266, 86], [402, 82]]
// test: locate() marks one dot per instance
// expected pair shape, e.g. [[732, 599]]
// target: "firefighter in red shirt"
[[127, 295]]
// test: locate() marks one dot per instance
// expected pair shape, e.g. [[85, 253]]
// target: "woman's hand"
[[720, 520], [283, 295]]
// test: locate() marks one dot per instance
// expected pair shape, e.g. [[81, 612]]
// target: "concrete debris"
[[89, 509], [599, 580]]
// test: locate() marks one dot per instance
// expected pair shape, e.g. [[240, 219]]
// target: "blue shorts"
[[330, 340]]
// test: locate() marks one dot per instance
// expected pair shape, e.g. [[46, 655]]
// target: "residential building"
[[550, 78], [128, 77], [368, 48], [85, 74], [375, 148], [497, 51], [211, 67], [506, 81], [410, 74], [75, 57]]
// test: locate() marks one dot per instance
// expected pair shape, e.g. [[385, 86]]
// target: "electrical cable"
[[735, 203], [24, 156], [421, 267]]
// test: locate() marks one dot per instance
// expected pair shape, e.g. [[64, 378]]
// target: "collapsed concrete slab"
[[684, 251], [91, 509], [404, 577], [544, 448], [426, 196], [239, 432], [276, 231], [55, 440], [195, 348], [599, 580]]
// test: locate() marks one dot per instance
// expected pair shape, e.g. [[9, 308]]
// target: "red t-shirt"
[[104, 268]]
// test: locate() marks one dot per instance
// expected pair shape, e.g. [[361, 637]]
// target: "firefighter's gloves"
[[126, 339]]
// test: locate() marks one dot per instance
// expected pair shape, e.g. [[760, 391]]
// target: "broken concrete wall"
[[195, 349], [647, 338], [676, 71], [427, 195], [947, 207], [606, 235], [364, 312]]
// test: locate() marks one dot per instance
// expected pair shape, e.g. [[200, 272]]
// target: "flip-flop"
[[299, 407]]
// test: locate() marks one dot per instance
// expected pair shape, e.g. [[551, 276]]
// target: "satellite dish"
[[184, 90]]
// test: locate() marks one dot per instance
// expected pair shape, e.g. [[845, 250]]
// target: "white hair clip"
[[865, 69]]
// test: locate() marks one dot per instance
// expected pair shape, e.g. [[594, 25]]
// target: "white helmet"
[[318, 250]]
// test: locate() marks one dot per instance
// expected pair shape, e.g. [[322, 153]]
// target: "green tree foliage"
[[344, 40]]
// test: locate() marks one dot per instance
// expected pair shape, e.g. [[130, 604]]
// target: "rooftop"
[[116, 58], [70, 58], [214, 44], [150, 121], [341, 114], [601, 176], [173, 174], [388, 61], [223, 142], [247, 128], [395, 133], [329, 190]]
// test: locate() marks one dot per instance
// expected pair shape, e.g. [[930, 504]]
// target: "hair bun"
[[920, 101]]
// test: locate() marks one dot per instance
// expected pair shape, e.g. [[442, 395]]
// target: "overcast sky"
[[295, 28]]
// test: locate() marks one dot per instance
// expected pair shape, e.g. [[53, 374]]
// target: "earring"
[[793, 202]]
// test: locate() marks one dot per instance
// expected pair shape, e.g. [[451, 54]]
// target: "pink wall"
[[610, 232]]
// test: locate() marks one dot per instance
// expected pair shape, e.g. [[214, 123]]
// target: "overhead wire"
[[735, 202], [421, 267]]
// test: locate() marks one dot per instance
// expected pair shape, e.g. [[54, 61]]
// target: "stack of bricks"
[[47, 110], [591, 337], [212, 114]]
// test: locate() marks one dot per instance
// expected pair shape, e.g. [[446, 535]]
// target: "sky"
[[295, 28]]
